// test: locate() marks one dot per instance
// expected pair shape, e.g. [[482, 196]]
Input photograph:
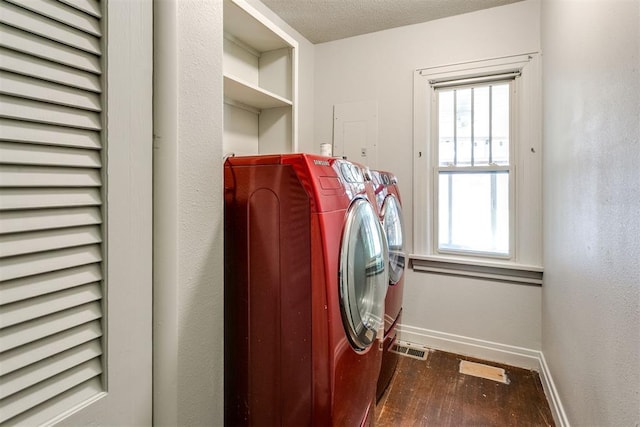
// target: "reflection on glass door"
[[393, 228], [363, 274]]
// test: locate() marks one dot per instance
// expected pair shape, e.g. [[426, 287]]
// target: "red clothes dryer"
[[390, 212], [305, 281]]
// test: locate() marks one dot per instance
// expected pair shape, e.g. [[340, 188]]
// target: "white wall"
[[379, 67], [188, 219], [591, 297]]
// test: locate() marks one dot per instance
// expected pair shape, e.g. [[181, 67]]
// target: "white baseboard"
[[487, 350], [559, 415]]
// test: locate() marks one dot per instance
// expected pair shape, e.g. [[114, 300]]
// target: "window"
[[474, 169], [477, 189]]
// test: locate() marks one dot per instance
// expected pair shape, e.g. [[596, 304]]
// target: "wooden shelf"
[[260, 73], [242, 25], [248, 94]]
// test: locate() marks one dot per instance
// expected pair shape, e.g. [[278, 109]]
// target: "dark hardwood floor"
[[432, 392]]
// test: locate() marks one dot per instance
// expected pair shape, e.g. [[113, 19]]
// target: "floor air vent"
[[408, 349]]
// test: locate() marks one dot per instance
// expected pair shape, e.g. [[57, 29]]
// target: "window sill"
[[501, 271]]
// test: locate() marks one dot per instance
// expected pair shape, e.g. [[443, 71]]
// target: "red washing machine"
[[389, 205], [305, 281]]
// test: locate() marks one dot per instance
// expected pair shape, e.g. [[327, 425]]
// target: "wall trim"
[[550, 390], [501, 353], [501, 271], [488, 350]]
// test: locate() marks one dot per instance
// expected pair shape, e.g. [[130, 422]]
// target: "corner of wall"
[[188, 214], [495, 352]]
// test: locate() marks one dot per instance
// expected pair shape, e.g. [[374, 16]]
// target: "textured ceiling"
[[326, 20]]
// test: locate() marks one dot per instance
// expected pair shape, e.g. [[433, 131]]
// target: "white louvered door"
[[75, 212]]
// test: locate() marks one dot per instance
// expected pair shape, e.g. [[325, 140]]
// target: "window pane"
[[481, 135], [463, 127], [480, 113], [500, 123], [474, 212], [446, 128]]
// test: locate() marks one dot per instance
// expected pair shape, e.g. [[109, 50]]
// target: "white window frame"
[[439, 169], [524, 264]]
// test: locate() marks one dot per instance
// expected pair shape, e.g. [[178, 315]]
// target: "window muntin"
[[474, 167]]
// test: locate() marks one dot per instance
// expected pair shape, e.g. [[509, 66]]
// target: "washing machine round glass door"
[[363, 275], [393, 229]]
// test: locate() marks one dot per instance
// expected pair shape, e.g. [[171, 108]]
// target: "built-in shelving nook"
[[260, 69]]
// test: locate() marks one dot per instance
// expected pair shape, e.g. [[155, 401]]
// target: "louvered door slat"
[[28, 110], [51, 282], [91, 7], [41, 47], [52, 408], [18, 403], [45, 219], [45, 369], [22, 154], [23, 311], [20, 63], [27, 332], [13, 314], [26, 198], [41, 176], [29, 265], [40, 133], [42, 284], [28, 354], [40, 241], [25, 20], [62, 13], [40, 90]]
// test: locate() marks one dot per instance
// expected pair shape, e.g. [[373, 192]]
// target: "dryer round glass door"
[[363, 274], [393, 228]]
